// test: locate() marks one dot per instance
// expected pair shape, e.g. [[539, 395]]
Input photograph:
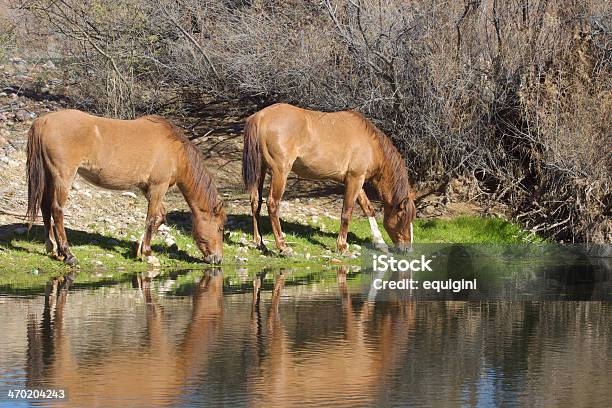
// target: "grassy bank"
[[24, 264]]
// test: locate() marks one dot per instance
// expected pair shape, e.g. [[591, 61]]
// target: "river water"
[[296, 338]]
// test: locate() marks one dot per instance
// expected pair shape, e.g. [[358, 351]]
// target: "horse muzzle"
[[213, 259], [404, 248]]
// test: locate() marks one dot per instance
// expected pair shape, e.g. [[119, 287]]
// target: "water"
[[212, 338]]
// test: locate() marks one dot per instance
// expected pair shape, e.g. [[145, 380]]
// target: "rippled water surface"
[[204, 338]]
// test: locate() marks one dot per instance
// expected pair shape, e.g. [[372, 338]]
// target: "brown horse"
[[148, 153], [341, 146]]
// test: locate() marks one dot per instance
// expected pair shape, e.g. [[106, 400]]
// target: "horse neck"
[[383, 183], [184, 180], [192, 199]]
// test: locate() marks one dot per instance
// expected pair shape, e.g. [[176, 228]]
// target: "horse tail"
[[251, 155], [35, 170]]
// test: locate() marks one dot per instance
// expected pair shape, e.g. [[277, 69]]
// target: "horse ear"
[[218, 208]]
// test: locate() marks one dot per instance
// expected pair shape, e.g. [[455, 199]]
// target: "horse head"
[[398, 222], [208, 232]]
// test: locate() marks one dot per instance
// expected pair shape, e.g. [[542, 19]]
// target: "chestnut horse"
[[341, 146], [148, 153]]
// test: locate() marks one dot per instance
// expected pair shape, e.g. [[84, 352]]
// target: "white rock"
[[170, 242], [153, 261], [128, 194]]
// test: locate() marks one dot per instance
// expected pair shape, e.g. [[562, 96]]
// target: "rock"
[[430, 209], [49, 65], [153, 261], [129, 194], [22, 115], [3, 94], [2, 141], [335, 261], [13, 96], [98, 263], [170, 243]]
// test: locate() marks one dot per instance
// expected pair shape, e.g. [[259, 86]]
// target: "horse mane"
[[201, 184], [394, 174]]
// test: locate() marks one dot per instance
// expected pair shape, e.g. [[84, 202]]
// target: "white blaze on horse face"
[[376, 235]]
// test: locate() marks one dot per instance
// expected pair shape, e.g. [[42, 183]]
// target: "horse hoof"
[[342, 249], [51, 248], [71, 261], [286, 252]]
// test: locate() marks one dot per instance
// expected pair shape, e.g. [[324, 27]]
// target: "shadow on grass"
[[9, 240], [181, 220]]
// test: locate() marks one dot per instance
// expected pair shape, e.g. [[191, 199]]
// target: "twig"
[[204, 135]]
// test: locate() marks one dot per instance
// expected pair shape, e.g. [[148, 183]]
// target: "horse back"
[[111, 153], [317, 145]]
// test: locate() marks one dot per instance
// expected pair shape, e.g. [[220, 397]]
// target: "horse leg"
[[60, 196], [256, 201], [45, 208], [353, 186], [154, 219], [159, 220], [277, 188], [368, 210]]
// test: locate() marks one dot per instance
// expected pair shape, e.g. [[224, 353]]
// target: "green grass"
[[103, 256]]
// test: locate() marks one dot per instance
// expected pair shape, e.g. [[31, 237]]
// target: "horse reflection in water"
[[143, 379], [156, 370], [345, 370]]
